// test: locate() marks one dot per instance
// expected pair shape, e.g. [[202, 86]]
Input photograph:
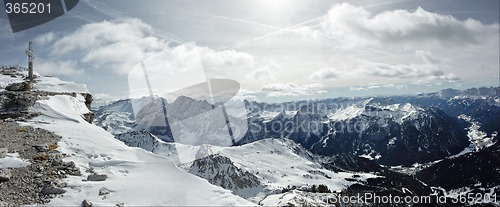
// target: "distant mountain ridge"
[[394, 130], [345, 145]]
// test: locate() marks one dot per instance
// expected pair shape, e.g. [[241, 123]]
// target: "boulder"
[[18, 87], [86, 203], [52, 190], [3, 152], [5, 175], [97, 177], [103, 191]]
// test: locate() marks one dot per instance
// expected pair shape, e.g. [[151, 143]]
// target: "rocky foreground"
[[40, 181]]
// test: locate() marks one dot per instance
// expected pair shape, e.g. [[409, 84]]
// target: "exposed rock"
[[88, 100], [86, 203], [120, 204], [26, 183], [3, 152], [221, 171], [52, 190], [103, 191], [4, 204], [89, 117], [41, 148], [97, 177], [24, 86], [5, 175], [61, 184]]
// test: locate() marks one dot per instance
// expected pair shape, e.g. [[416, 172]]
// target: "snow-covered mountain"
[[394, 134], [399, 130], [290, 149], [257, 171], [129, 175], [471, 173]]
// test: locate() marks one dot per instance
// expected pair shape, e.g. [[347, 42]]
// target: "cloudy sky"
[[277, 50]]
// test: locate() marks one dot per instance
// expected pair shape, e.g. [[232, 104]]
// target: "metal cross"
[[31, 57]]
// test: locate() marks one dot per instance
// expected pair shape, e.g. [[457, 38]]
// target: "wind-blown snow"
[[135, 177], [56, 85]]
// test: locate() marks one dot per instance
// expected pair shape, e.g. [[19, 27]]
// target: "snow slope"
[[277, 163], [135, 177], [282, 162], [53, 84]]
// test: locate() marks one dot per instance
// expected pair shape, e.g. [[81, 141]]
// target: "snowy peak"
[[349, 112], [185, 107], [397, 112]]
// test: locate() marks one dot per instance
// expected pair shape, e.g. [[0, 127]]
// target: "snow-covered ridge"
[[42, 83]]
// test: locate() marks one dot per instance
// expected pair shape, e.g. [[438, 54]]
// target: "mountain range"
[[389, 145]]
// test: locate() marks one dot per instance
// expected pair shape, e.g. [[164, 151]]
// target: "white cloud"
[[119, 45], [44, 39], [449, 77], [266, 71], [291, 89], [420, 27], [66, 68], [403, 71], [307, 32], [374, 86], [244, 94], [324, 74], [212, 58], [427, 57]]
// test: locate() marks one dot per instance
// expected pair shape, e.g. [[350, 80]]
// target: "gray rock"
[[103, 191], [3, 152], [97, 177], [17, 87], [75, 172], [86, 203], [120, 204], [4, 175], [52, 190], [41, 148], [61, 184], [4, 204]]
